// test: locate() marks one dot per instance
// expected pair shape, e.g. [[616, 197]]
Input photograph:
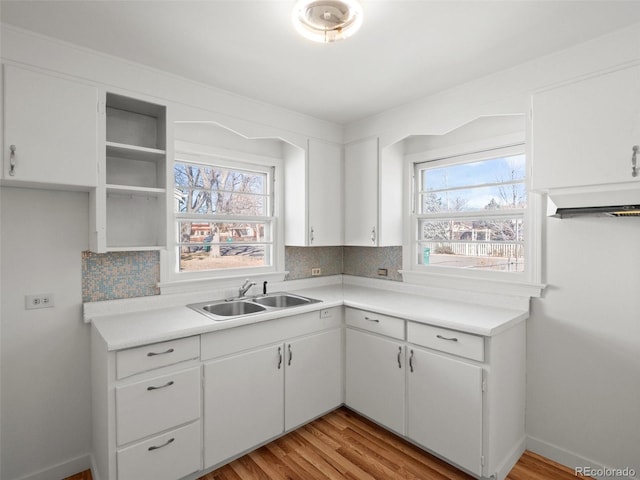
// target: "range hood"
[[619, 200]]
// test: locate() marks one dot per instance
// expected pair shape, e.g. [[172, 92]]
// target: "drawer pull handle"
[[372, 319], [290, 355], [411, 361], [399, 353], [168, 384], [153, 354], [156, 447], [12, 160], [634, 167], [450, 339]]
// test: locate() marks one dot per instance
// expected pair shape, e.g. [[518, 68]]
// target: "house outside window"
[[224, 217], [469, 212]]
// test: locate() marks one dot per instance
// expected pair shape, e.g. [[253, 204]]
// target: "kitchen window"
[[470, 212], [224, 216]]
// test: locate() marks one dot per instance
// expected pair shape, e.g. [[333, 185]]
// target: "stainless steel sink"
[[232, 309], [220, 310], [283, 300]]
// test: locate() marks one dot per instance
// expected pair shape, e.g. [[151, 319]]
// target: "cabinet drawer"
[[374, 322], [449, 341], [151, 406], [165, 457], [148, 357]]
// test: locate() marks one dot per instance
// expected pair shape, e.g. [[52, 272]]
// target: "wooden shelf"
[[134, 152], [133, 190]]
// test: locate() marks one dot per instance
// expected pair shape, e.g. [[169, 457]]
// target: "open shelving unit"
[[130, 200]]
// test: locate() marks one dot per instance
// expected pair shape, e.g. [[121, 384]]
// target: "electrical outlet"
[[316, 271], [43, 300], [383, 272], [326, 313]]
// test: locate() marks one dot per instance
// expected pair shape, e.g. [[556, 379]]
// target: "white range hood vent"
[[620, 200]]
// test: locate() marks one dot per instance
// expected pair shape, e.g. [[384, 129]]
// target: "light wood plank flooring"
[[344, 445]]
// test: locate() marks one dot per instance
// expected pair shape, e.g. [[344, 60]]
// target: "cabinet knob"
[[634, 168], [12, 160]]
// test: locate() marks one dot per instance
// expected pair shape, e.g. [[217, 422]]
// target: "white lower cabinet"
[[146, 404], [243, 398], [253, 392], [458, 395], [444, 407], [375, 378], [313, 377]]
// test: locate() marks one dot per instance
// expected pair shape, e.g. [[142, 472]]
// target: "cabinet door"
[[444, 407], [375, 378], [52, 124], [583, 133], [325, 194], [313, 377], [361, 193], [243, 402]]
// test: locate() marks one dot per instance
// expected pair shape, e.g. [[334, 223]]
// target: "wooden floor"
[[344, 445]]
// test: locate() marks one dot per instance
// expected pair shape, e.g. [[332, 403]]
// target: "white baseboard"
[[573, 460], [509, 462], [61, 470]]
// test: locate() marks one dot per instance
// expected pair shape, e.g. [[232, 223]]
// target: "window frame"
[[526, 282], [171, 277]]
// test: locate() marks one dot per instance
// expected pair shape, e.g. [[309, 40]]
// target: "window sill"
[[199, 284], [485, 285]]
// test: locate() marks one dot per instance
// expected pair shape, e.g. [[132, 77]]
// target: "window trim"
[[170, 278], [525, 283]]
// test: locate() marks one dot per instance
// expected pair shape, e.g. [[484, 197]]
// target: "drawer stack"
[[158, 427]]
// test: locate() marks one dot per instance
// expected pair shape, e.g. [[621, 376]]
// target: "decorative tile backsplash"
[[300, 260], [365, 262], [116, 275], [110, 276]]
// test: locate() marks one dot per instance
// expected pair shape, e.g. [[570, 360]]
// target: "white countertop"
[[128, 330]]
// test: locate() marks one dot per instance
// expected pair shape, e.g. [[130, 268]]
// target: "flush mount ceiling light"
[[327, 21]]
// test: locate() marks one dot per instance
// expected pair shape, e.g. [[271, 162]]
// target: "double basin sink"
[[220, 310]]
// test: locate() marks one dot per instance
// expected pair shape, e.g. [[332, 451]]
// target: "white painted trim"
[[570, 459], [62, 470], [511, 459]]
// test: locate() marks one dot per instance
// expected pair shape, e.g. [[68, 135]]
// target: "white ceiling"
[[405, 50]]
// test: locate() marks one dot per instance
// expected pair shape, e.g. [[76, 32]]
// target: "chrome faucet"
[[245, 287]]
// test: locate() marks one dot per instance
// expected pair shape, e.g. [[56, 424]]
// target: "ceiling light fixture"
[[327, 21]]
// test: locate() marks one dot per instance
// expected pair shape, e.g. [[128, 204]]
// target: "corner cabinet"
[[373, 194], [50, 130], [314, 195], [129, 205], [457, 395], [583, 133]]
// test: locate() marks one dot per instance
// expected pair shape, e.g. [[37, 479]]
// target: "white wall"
[[583, 368], [46, 396], [583, 359]]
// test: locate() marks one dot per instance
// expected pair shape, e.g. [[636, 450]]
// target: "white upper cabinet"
[[583, 133], [50, 129], [314, 195], [373, 194], [325, 194]]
